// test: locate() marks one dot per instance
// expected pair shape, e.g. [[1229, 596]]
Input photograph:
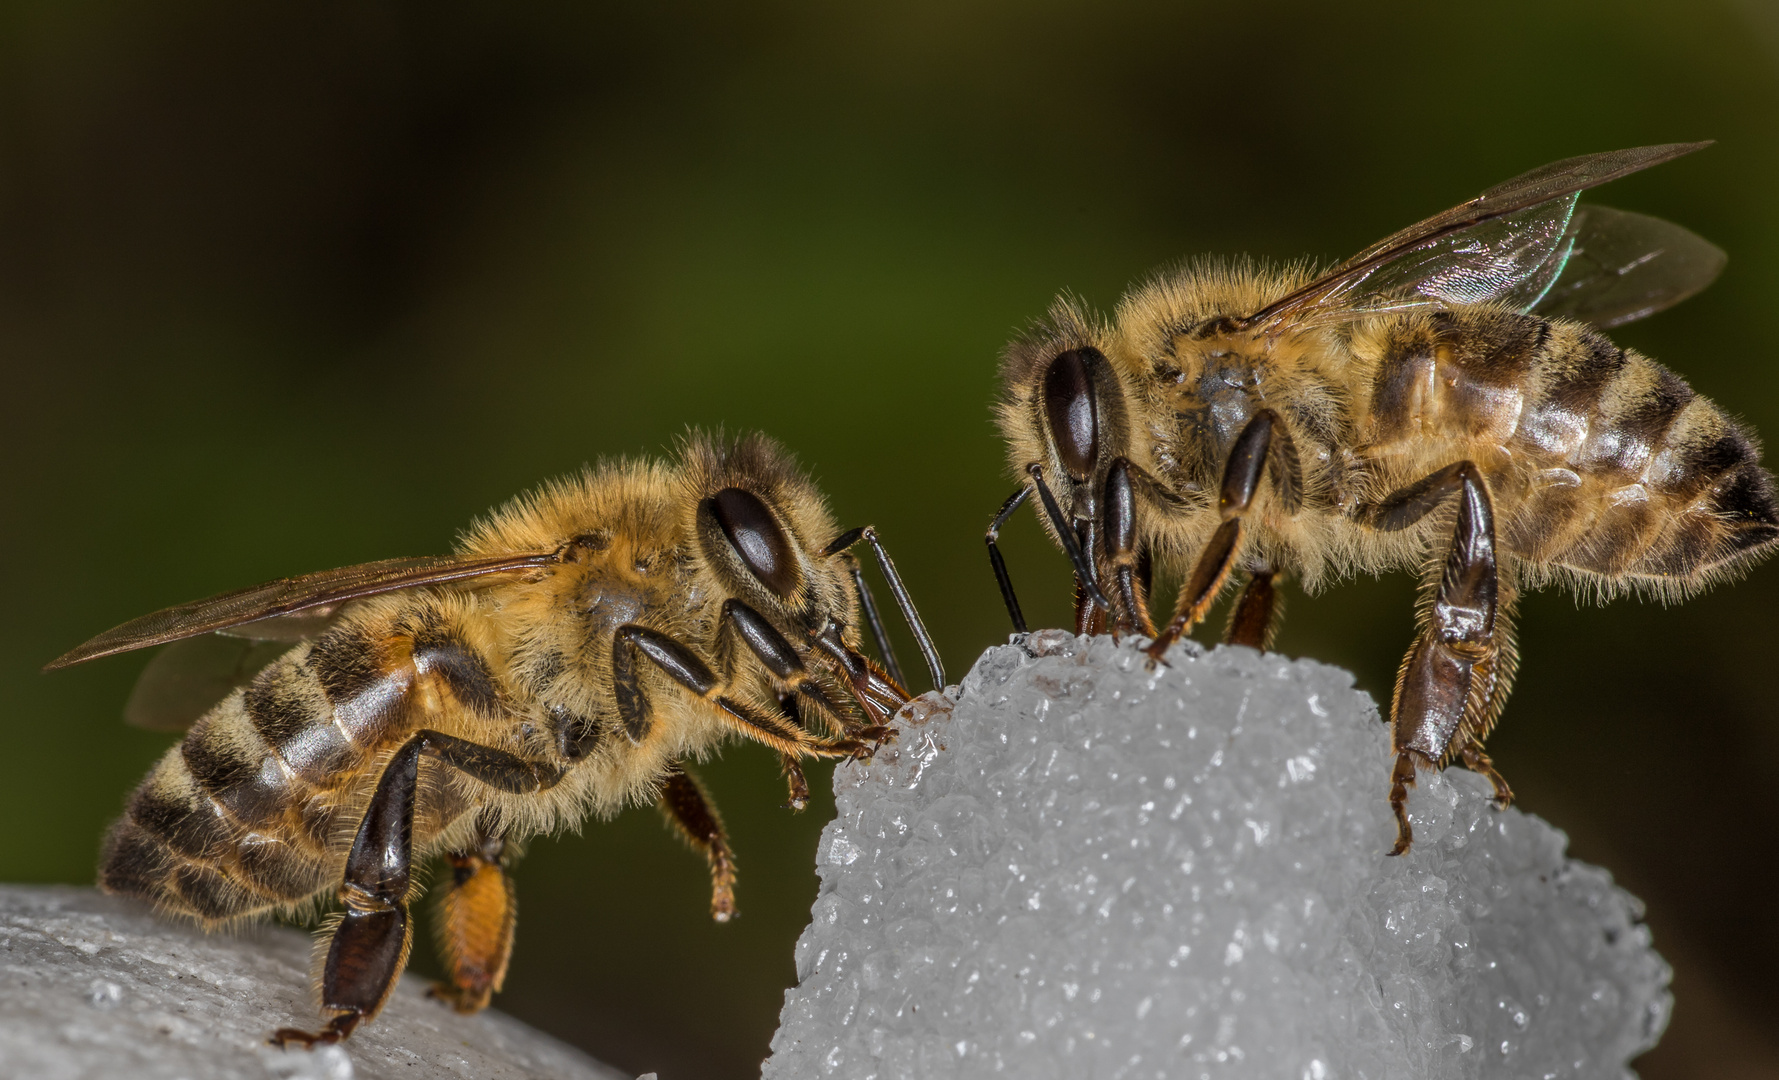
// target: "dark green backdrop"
[[287, 286]]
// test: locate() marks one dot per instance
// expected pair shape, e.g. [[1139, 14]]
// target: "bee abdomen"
[[1635, 474], [236, 819], [245, 814]]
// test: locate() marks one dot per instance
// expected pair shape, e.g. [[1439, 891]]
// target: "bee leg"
[[1014, 502], [475, 918], [871, 686], [1090, 618], [369, 947], [796, 782], [1402, 777], [689, 810], [1255, 617], [1478, 762], [683, 666], [1129, 591], [1452, 681], [782, 659], [1262, 443]]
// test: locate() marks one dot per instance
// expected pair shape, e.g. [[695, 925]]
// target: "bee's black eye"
[[1072, 410], [756, 537]]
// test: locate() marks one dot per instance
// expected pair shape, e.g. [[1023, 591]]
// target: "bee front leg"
[[689, 810], [369, 947], [1454, 679], [680, 663], [1262, 443], [1129, 591], [782, 659], [475, 919], [1090, 618]]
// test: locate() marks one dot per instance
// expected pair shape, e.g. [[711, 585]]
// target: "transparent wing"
[[187, 678], [1626, 266], [288, 595], [1508, 244]]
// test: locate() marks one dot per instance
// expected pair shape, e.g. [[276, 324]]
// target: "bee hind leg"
[[369, 947], [688, 809], [475, 919], [1453, 681]]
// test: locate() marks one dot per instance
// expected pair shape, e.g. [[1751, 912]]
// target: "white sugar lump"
[[94, 987], [1077, 867]]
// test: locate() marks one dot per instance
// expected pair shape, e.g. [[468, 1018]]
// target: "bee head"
[[759, 524]]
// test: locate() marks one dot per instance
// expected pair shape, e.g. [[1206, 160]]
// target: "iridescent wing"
[[1507, 245], [288, 595], [1623, 266]]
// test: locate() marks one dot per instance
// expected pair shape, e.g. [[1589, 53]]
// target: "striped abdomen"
[[1612, 464], [254, 809]]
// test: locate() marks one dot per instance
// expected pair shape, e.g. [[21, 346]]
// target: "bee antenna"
[[904, 603]]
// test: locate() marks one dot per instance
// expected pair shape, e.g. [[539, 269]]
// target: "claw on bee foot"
[[722, 904], [1157, 654], [864, 751], [796, 786], [1402, 777], [337, 1028], [1478, 762]]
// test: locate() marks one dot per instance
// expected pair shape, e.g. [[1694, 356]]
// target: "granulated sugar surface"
[[1078, 867]]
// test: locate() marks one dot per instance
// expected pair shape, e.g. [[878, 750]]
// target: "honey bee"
[[583, 642], [1438, 402]]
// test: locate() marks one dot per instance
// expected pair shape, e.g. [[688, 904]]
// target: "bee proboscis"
[[1441, 402], [582, 643]]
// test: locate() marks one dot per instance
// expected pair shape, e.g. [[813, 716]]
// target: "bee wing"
[[1507, 245], [1623, 266], [288, 595], [187, 678]]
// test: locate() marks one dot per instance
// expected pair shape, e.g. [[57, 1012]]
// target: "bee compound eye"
[[1073, 411], [754, 535]]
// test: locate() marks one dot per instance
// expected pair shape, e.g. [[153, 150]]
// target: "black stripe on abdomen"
[[287, 708], [365, 682], [232, 765]]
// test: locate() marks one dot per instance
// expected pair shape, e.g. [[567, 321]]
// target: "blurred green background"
[[288, 286]]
